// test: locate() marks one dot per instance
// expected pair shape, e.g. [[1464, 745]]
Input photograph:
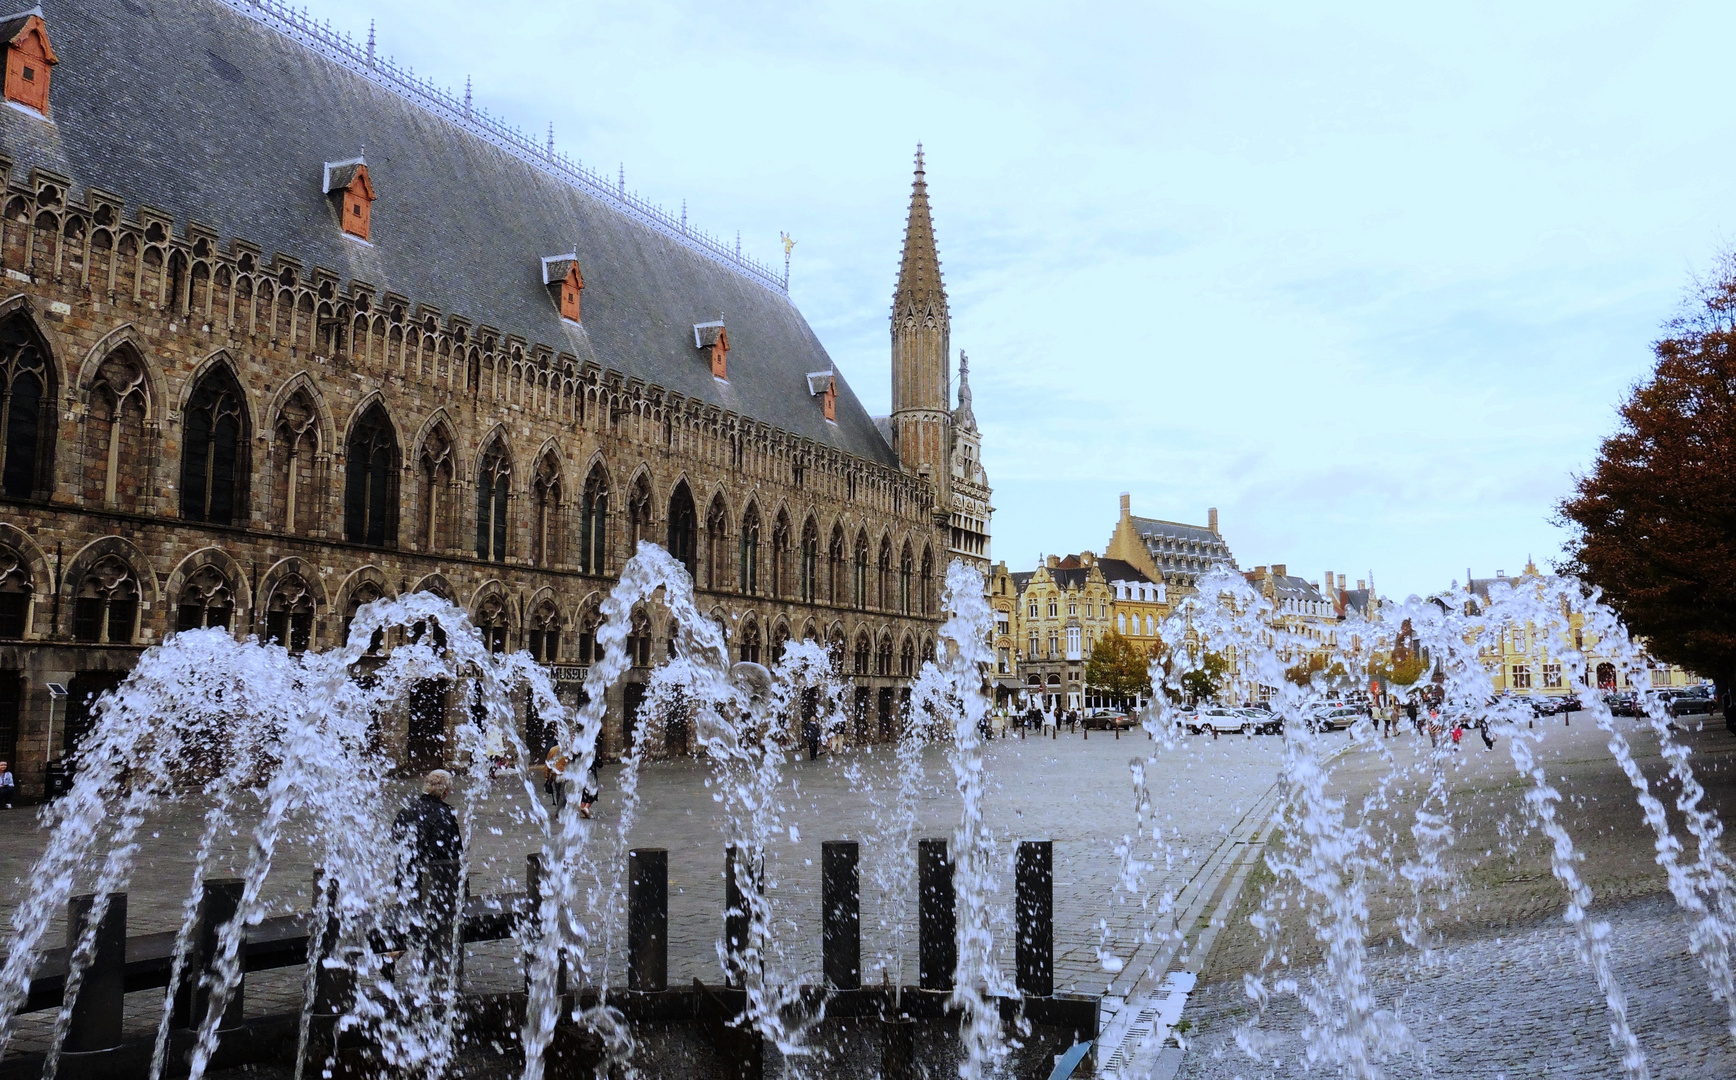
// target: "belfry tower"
[[921, 331], [931, 437]]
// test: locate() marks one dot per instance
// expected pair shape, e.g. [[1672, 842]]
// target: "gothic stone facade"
[[203, 434]]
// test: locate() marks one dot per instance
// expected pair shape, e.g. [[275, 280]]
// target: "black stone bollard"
[[535, 876], [648, 919], [937, 917], [1036, 918], [737, 919], [96, 1013], [217, 908], [898, 1048], [841, 913]]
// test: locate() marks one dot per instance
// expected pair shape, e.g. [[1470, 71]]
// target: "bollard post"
[[737, 918], [937, 916], [97, 1011], [535, 880], [841, 913], [1035, 875], [648, 919], [217, 908]]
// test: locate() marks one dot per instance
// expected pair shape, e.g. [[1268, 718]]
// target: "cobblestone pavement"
[[1072, 790], [1502, 993]]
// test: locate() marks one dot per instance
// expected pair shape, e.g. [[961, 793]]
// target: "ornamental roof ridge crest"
[[363, 59]]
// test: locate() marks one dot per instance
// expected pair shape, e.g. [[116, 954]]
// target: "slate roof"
[[203, 111], [1182, 549], [1122, 570]]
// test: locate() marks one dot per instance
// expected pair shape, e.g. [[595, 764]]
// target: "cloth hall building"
[[284, 330]]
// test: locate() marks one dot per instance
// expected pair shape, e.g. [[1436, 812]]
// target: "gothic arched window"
[[370, 481], [779, 583], [106, 608], [750, 550], [114, 431], [493, 484], [544, 639], [289, 614], [750, 643], [434, 473], [365, 592], [638, 514], [861, 594], [907, 659], [293, 453], [684, 529], [863, 651], [906, 572], [27, 413], [835, 564], [883, 657], [206, 600], [550, 544], [780, 642], [639, 639], [883, 576], [926, 582], [491, 619], [594, 523], [14, 594], [810, 571], [716, 544], [214, 450]]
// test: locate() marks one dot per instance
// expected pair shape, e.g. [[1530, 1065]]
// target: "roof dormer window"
[[29, 57], [712, 337], [561, 275], [347, 183], [824, 385]]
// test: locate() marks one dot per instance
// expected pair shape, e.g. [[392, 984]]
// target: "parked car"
[[1695, 701], [1266, 722], [1106, 720], [1333, 717], [1219, 721], [1620, 704]]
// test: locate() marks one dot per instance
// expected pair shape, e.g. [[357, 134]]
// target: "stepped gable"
[[199, 110]]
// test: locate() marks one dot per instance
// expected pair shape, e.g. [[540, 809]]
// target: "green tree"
[[1654, 522], [1118, 668], [1203, 682]]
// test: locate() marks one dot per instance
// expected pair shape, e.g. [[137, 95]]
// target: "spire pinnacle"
[[919, 281], [963, 416]]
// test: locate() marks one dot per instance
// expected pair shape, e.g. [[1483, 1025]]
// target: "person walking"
[[590, 789], [554, 776], [811, 736], [1410, 710], [427, 827], [8, 786]]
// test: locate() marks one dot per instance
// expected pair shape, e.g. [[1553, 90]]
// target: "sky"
[[1371, 279]]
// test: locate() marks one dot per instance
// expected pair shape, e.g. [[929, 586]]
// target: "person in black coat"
[[427, 827]]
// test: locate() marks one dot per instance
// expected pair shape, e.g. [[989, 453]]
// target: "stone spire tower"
[[921, 332]]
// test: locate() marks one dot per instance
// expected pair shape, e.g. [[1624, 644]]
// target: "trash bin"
[[58, 781]]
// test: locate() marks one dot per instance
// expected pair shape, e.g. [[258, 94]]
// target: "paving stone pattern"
[[1503, 993], [1072, 790]]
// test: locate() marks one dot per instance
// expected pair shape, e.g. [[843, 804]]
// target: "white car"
[[1219, 722], [1331, 718]]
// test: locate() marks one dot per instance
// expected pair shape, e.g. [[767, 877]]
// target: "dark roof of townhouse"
[[214, 113], [1121, 570]]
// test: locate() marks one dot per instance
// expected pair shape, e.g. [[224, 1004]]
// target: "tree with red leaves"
[[1654, 522]]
